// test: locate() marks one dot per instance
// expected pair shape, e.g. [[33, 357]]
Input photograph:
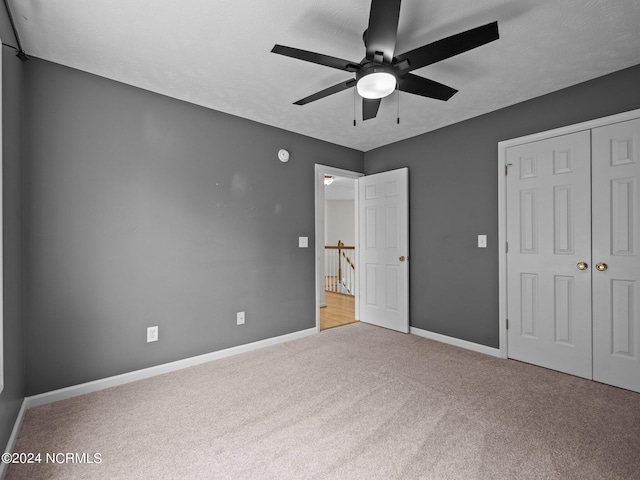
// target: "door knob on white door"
[[582, 265], [601, 266]]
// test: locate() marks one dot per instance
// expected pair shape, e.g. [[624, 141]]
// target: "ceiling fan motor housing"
[[370, 67]]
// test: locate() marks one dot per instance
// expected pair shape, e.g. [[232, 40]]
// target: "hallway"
[[340, 310]]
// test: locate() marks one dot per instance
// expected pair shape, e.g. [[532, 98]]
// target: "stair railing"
[[340, 268]]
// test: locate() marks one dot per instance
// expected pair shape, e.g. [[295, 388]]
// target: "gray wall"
[[143, 210], [14, 367], [453, 198]]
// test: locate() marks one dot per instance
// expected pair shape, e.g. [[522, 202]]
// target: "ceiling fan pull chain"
[[398, 102], [354, 107]]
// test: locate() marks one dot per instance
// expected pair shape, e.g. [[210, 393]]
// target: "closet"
[[572, 250]]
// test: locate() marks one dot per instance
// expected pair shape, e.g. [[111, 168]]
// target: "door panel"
[[383, 232], [548, 233], [616, 243]]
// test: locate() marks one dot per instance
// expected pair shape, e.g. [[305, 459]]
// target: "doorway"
[[381, 273], [336, 239], [339, 252]]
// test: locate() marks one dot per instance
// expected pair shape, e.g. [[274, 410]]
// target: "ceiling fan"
[[380, 72]]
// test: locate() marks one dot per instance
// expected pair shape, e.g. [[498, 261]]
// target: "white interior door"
[[616, 252], [384, 249], [548, 235]]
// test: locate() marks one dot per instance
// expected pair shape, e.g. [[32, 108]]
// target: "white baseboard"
[[476, 347], [14, 436], [96, 385]]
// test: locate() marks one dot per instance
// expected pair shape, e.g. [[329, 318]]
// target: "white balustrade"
[[339, 269]]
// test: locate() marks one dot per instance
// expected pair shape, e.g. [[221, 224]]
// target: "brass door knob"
[[582, 265], [601, 266], [402, 258]]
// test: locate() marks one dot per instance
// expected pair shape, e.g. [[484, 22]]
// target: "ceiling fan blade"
[[370, 108], [425, 88], [318, 58], [326, 92], [383, 29], [450, 46]]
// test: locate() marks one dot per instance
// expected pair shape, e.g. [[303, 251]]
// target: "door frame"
[[320, 172], [502, 204]]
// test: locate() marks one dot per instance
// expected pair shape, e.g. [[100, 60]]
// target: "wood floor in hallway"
[[340, 310]]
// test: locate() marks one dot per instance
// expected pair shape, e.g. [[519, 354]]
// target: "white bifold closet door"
[[549, 234], [616, 254], [573, 265]]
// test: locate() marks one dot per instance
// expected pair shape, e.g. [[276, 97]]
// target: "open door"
[[383, 227]]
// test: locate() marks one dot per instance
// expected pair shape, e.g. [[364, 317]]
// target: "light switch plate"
[[482, 241], [303, 242], [152, 334]]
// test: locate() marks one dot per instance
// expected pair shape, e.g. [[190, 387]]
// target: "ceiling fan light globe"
[[376, 85]]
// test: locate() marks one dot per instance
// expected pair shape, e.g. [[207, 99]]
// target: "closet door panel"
[[616, 249], [548, 232]]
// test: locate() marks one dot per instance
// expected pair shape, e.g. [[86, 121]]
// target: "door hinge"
[[506, 168], [506, 247], [507, 322]]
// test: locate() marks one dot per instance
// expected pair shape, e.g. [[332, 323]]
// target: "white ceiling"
[[217, 54], [342, 188]]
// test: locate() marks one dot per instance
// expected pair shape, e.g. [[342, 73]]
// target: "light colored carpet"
[[355, 402]]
